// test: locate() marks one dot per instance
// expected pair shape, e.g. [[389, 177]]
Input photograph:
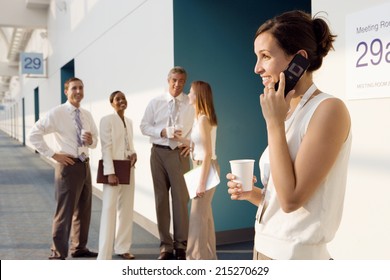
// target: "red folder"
[[122, 171]]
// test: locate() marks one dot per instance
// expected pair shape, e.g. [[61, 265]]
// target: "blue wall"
[[213, 40]]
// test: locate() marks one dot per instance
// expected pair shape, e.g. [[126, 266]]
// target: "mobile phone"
[[294, 72]]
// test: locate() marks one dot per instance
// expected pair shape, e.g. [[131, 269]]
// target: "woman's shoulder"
[[108, 118], [331, 103], [332, 111], [326, 102], [203, 119], [204, 122]]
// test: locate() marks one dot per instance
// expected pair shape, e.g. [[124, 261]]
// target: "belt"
[[79, 160], [163, 147]]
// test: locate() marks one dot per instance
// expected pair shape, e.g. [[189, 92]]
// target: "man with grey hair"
[[165, 115]]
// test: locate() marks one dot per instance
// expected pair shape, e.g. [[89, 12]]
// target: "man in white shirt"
[[74, 132], [169, 161]]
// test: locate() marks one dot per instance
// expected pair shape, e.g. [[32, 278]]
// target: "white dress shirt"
[[156, 117], [61, 121]]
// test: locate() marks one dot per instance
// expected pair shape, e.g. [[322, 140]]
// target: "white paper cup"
[[242, 169], [170, 131], [83, 135], [178, 127]]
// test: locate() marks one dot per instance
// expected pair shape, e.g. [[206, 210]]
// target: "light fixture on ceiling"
[[20, 37]]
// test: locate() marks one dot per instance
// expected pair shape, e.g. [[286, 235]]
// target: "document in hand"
[[122, 171], [192, 179]]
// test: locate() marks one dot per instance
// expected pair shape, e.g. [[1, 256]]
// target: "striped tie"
[[79, 126]]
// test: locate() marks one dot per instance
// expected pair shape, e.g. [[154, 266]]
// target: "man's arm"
[[147, 123], [37, 140]]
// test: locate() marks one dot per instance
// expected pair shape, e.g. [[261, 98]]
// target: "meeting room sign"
[[368, 53]]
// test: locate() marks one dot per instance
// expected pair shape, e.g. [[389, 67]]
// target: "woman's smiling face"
[[271, 59], [119, 102]]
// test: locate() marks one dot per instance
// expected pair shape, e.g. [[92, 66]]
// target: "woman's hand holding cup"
[[235, 189]]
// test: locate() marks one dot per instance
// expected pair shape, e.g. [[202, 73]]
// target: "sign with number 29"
[[31, 63]]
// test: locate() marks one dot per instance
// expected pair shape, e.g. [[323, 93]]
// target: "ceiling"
[[18, 20]]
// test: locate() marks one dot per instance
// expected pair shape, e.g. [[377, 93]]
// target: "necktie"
[[173, 116], [82, 156], [171, 110], [79, 127]]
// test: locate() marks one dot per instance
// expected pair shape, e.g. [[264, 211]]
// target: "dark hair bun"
[[323, 36]]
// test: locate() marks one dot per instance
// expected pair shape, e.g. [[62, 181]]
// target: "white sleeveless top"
[[304, 233], [198, 153]]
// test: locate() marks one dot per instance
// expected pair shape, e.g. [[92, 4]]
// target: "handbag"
[[122, 171]]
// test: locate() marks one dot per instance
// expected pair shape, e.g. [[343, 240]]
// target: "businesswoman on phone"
[[304, 168]]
